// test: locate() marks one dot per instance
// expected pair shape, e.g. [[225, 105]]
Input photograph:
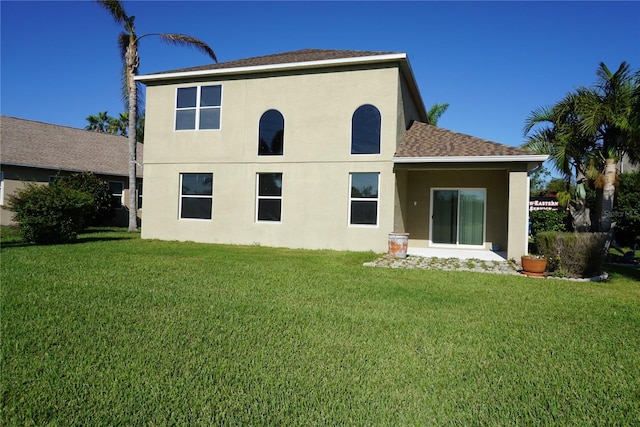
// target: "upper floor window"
[[198, 107], [271, 134], [365, 130]]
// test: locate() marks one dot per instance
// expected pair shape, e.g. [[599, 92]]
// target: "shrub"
[[626, 212], [548, 220], [573, 254], [50, 213], [98, 188]]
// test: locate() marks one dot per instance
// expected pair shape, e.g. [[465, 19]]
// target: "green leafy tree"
[[129, 41], [626, 212], [50, 214], [435, 112], [97, 188]]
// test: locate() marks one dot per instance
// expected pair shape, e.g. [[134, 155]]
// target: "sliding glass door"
[[457, 216]]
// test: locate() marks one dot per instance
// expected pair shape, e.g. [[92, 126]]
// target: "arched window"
[[271, 134], [365, 130]]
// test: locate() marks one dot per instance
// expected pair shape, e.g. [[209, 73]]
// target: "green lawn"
[[115, 330]]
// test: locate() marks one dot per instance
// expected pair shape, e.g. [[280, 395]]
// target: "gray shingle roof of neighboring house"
[[297, 56], [423, 140], [43, 145]]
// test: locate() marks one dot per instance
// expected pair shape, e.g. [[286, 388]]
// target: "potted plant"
[[533, 265]]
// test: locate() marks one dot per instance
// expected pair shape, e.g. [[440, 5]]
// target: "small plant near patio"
[[50, 213], [573, 254]]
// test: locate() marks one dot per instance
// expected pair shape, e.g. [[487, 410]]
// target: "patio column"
[[518, 228]]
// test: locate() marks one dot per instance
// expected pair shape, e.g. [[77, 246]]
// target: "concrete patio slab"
[[457, 253]]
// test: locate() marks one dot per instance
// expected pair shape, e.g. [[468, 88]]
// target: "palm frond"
[[115, 9], [435, 112], [187, 41]]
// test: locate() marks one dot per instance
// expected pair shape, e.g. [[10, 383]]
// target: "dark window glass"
[[364, 185], [197, 184], [185, 119], [364, 199], [270, 184], [210, 118], [199, 208], [196, 195], [211, 96], [365, 130], [269, 209], [269, 197], [116, 194], [364, 212], [271, 133], [187, 97]]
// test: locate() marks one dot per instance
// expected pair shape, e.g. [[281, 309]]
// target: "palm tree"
[[591, 129], [98, 122], [556, 131], [128, 42], [609, 112], [435, 112], [119, 125]]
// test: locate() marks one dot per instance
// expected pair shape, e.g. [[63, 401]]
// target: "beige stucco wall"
[[317, 160], [518, 214]]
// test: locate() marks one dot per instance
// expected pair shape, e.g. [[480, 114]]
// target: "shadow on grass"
[[630, 272], [12, 238]]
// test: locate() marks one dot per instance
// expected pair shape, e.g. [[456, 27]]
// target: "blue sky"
[[493, 62]]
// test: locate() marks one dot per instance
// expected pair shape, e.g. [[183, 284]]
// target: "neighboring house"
[[322, 149], [625, 165], [37, 152]]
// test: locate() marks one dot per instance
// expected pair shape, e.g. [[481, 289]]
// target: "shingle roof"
[[48, 146], [423, 140], [297, 56]]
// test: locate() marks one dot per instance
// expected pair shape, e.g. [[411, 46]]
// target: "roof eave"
[[394, 57], [472, 159]]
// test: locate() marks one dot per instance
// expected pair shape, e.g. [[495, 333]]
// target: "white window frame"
[[259, 197], [194, 196], [1, 188], [364, 199], [197, 109], [139, 194], [121, 194], [458, 245]]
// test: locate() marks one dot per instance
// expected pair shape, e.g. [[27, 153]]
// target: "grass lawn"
[[115, 330]]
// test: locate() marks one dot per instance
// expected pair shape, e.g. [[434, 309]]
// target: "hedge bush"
[[98, 188], [573, 254], [548, 220], [626, 212], [50, 213]]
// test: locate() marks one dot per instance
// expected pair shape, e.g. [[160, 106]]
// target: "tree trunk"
[[608, 193], [132, 65]]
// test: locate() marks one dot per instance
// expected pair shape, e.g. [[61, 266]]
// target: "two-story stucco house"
[[322, 149]]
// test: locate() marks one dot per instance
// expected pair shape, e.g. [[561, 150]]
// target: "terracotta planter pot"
[[532, 266]]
